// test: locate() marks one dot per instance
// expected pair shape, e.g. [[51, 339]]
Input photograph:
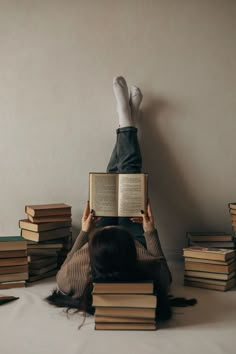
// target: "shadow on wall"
[[169, 192]]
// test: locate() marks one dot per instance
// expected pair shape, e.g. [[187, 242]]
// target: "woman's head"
[[112, 254]]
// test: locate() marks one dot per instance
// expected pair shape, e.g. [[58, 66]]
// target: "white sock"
[[135, 101], [121, 93]]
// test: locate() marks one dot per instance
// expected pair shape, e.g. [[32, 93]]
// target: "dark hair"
[[113, 258]]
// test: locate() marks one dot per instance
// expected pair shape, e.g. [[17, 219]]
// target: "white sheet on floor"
[[31, 326]]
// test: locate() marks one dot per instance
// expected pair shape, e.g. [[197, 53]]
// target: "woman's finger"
[[86, 211]]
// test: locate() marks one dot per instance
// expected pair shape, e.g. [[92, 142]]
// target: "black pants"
[[125, 158]]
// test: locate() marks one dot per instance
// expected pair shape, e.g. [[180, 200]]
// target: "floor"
[[31, 326]]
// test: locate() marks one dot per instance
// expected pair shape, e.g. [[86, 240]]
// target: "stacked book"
[[211, 239], [124, 306], [48, 234], [210, 268], [232, 211], [13, 262]]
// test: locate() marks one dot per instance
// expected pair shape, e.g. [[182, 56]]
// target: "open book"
[[117, 194]]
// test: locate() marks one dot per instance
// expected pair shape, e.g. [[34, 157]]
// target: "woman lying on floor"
[[116, 249]]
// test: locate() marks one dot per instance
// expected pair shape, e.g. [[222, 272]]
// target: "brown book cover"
[[210, 261], [129, 300], [130, 312], [12, 243], [218, 287], [8, 262], [126, 326], [39, 263], [12, 284], [109, 319], [206, 267], [28, 225], [14, 269], [48, 209], [209, 236], [43, 270], [232, 206], [47, 219], [208, 253], [208, 275], [13, 277], [46, 235], [125, 288], [49, 274], [13, 254], [43, 252]]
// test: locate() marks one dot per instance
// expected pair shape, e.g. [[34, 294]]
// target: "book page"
[[104, 194], [132, 194]]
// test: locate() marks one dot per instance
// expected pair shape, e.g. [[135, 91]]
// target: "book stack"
[[232, 211], [211, 239], [48, 234], [210, 268], [124, 306], [13, 262]]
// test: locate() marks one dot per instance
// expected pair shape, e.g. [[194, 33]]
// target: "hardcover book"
[[114, 194], [48, 209]]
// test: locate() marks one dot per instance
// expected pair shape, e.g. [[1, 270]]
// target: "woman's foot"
[[135, 101], [121, 93]]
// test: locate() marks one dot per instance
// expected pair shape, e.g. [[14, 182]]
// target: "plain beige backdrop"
[[58, 114]]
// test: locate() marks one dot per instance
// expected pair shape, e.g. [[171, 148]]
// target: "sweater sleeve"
[[80, 241], [154, 252], [153, 244]]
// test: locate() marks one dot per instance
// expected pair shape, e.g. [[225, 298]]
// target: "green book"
[[12, 243]]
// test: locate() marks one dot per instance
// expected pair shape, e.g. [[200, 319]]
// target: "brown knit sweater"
[[73, 274]]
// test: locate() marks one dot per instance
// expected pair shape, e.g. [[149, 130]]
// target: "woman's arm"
[[87, 222]]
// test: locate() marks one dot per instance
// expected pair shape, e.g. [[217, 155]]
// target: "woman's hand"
[[146, 219], [88, 219]]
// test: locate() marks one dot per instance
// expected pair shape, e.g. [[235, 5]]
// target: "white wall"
[[58, 115]]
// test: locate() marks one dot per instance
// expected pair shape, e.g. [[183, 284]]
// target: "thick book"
[[217, 254], [51, 218], [14, 269], [126, 326], [120, 300], [209, 236], [46, 235], [12, 254], [128, 312], [209, 275], [115, 194], [13, 277], [28, 225], [48, 209], [39, 263], [43, 270], [12, 284], [206, 267], [125, 288], [232, 206], [12, 243], [199, 284], [210, 281], [210, 261], [57, 246], [49, 274], [222, 244], [8, 262], [109, 319], [43, 252]]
